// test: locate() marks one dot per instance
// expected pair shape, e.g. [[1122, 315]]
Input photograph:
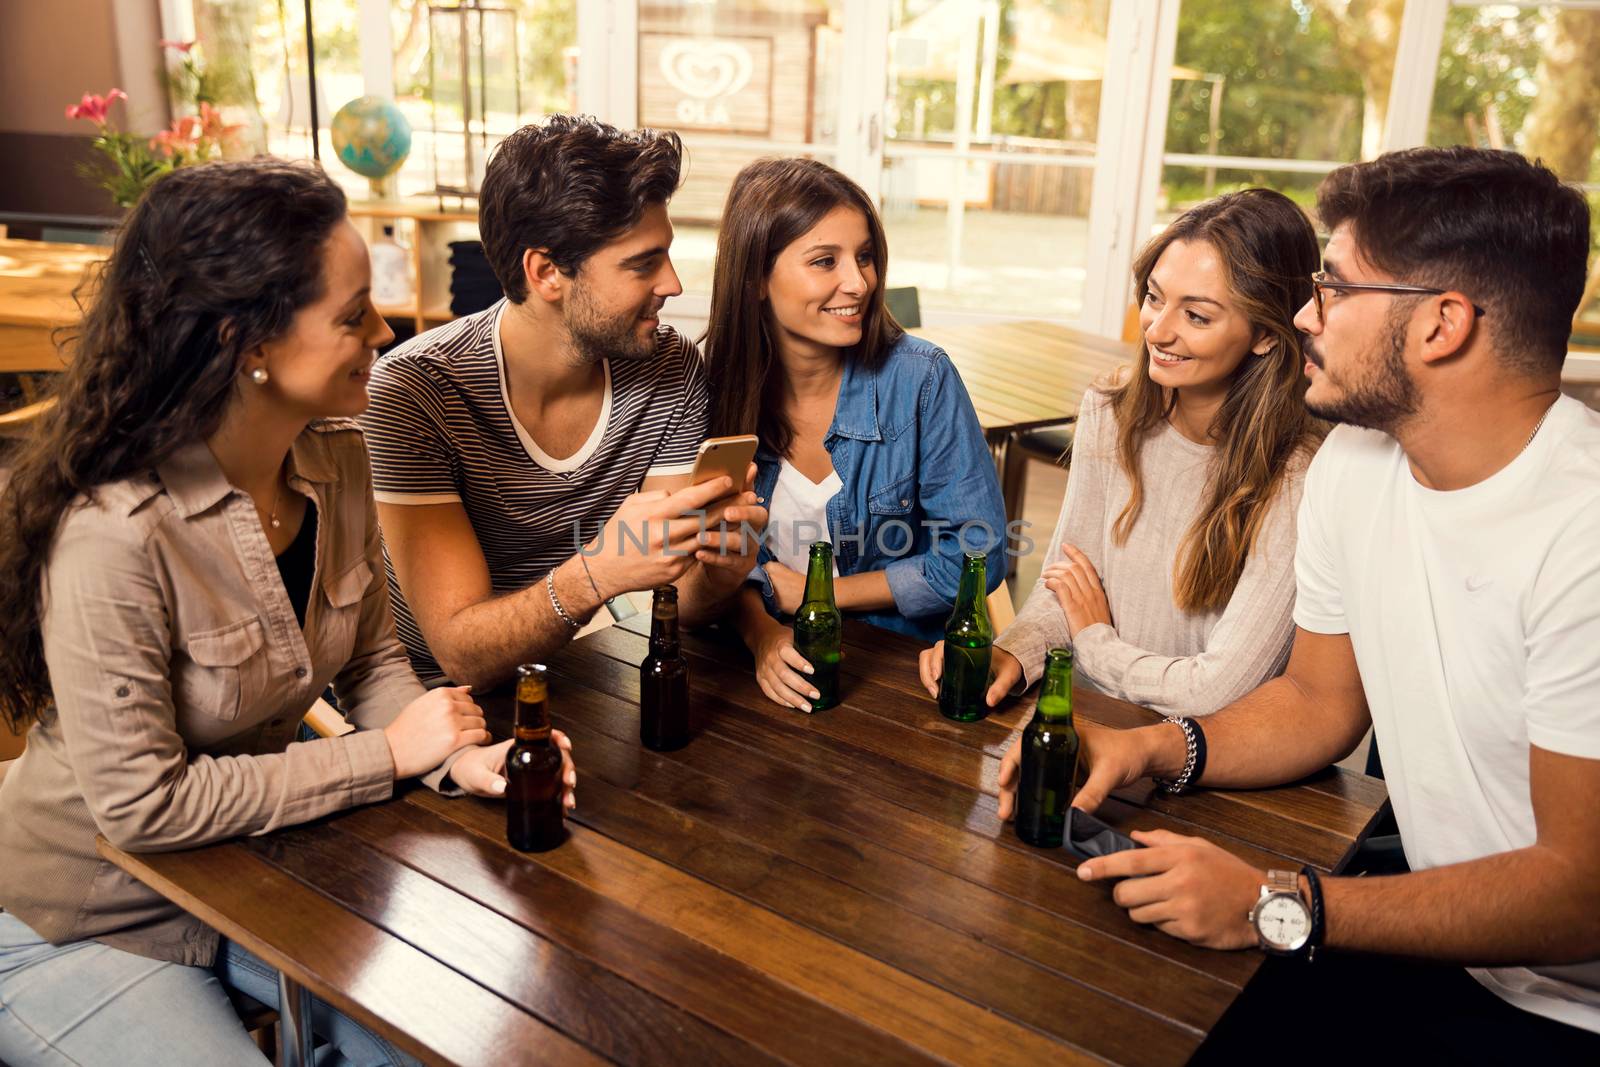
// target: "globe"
[[371, 136]]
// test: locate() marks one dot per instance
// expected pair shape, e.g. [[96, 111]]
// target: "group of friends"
[[1337, 488]]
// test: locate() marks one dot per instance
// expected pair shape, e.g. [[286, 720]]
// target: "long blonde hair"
[[1269, 251]]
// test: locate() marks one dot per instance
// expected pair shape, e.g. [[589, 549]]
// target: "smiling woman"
[[1171, 568], [868, 439], [189, 558]]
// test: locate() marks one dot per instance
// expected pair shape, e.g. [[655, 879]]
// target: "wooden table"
[[788, 888], [36, 283], [1026, 374]]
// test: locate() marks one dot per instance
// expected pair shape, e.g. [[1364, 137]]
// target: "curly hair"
[[212, 262], [568, 186]]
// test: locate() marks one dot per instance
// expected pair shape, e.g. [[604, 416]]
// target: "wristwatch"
[[1282, 920]]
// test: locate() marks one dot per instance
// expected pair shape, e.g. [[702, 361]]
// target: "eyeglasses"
[[1320, 281]]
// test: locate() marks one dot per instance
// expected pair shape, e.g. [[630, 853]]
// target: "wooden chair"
[[1046, 444], [20, 422], [904, 305]]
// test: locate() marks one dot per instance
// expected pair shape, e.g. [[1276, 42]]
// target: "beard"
[[597, 335], [1385, 396]]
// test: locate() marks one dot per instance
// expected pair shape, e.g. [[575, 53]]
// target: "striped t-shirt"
[[441, 430]]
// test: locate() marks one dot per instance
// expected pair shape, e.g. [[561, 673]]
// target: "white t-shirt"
[[1475, 617], [798, 515]]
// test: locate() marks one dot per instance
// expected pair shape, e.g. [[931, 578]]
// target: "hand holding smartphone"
[[1088, 838], [719, 456]]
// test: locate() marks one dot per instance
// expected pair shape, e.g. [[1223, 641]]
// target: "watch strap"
[[1318, 928]]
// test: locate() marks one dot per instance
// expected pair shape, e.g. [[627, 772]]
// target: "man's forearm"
[[483, 644], [1279, 732], [1526, 907]]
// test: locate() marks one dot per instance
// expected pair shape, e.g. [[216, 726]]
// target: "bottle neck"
[[664, 630], [819, 580], [970, 597], [1055, 695], [532, 721]]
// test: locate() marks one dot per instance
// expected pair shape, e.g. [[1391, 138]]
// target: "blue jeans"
[[87, 1003]]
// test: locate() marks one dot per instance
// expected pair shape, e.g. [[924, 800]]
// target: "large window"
[[738, 80], [1021, 150], [1274, 93], [992, 118]]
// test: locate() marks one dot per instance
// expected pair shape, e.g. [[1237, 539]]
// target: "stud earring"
[[259, 376]]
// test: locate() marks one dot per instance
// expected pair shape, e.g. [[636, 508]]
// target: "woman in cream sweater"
[[1171, 568]]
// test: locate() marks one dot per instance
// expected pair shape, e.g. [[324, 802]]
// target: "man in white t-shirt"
[[1448, 594]]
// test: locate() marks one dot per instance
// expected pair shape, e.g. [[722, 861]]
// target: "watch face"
[[1283, 921]]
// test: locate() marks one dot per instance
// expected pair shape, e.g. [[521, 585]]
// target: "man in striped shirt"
[[531, 461]]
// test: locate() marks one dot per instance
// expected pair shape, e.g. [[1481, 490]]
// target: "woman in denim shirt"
[[868, 439]]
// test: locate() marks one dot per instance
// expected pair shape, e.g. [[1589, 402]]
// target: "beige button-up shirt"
[[180, 676]]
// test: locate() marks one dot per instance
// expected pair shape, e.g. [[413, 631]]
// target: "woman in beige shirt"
[[189, 555], [1171, 569]]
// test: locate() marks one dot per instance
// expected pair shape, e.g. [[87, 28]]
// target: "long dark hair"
[[213, 261], [773, 203], [1269, 252]]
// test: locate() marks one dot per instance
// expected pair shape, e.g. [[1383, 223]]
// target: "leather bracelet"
[[550, 587], [1194, 760], [1318, 928], [583, 559]]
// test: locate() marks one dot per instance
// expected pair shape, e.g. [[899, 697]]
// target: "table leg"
[[294, 1023]]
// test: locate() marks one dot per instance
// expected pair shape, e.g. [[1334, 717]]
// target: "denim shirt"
[[918, 482]]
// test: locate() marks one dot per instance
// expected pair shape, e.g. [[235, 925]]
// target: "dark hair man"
[[523, 457], [1448, 568]]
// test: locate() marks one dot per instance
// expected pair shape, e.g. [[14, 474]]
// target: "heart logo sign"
[[706, 69]]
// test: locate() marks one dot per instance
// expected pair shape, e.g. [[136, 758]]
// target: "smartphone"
[[720, 456], [1088, 837]]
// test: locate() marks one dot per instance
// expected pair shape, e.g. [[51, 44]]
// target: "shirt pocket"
[[336, 630], [895, 500], [890, 531], [226, 672]]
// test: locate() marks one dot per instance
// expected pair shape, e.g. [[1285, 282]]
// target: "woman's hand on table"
[[482, 771], [431, 727], [1005, 671]]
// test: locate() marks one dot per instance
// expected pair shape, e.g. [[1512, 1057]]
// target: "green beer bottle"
[[818, 627], [1049, 757], [967, 641]]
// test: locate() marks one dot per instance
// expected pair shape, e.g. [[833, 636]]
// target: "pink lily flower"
[[178, 46], [94, 108]]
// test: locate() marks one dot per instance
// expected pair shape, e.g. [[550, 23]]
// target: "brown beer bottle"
[[533, 769], [664, 679]]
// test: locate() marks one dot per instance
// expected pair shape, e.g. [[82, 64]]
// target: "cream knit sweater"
[[1153, 654]]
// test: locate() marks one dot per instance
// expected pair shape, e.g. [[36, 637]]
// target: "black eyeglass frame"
[[1320, 281]]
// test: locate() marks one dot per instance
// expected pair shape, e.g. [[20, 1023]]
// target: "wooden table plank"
[[753, 807], [419, 1004], [931, 821], [37, 279], [727, 993], [682, 830], [788, 888], [906, 1007], [574, 995], [859, 722], [1022, 374]]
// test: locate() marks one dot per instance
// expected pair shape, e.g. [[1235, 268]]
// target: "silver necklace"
[[1534, 433]]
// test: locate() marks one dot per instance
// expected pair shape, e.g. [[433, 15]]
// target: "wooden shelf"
[[429, 232], [423, 210]]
